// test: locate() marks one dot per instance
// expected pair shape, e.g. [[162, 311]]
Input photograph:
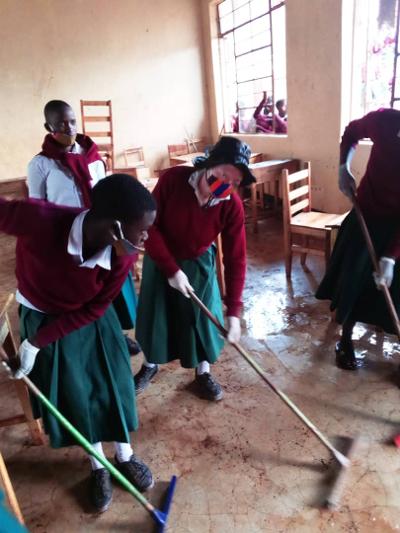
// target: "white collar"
[[194, 179], [75, 242]]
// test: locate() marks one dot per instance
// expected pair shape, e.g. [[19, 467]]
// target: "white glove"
[[234, 329], [347, 182], [180, 282], [27, 353], [385, 276]]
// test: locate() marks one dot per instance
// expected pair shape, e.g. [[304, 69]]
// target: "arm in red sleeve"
[[358, 129], [234, 251], [21, 217], [91, 311], [259, 108], [155, 244], [393, 249]]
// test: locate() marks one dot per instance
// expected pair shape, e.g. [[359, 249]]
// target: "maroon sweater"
[[184, 230], [48, 276], [379, 189]]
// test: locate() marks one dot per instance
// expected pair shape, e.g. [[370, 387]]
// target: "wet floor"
[[246, 464]]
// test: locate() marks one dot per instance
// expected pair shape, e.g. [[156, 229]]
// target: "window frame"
[[270, 8]]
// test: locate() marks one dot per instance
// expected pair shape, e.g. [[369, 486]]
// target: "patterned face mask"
[[218, 188]]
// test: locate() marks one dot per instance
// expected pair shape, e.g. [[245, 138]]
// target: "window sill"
[[260, 135]]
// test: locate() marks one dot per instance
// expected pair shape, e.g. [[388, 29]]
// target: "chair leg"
[[303, 258], [34, 425], [328, 247], [8, 488], [254, 207], [288, 264]]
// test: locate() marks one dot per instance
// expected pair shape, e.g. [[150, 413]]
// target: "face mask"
[[64, 139], [219, 188], [122, 245]]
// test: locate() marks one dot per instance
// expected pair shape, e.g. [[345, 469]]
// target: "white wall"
[[146, 56]]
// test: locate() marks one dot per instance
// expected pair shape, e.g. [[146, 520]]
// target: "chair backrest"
[[97, 123], [134, 157], [14, 188], [177, 149], [296, 191], [190, 146], [7, 341]]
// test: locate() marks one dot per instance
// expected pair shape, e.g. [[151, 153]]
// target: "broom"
[[344, 462]]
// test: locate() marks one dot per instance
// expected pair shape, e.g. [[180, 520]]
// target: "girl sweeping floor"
[[194, 207], [68, 273], [64, 173], [349, 281]]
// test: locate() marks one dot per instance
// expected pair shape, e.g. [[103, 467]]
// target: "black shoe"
[[143, 378], [133, 346], [209, 388], [346, 359], [101, 489], [136, 472]]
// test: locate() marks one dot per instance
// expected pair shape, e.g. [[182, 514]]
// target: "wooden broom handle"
[[375, 264], [260, 371]]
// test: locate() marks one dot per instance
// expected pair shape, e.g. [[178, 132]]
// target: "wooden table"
[[268, 176], [187, 158]]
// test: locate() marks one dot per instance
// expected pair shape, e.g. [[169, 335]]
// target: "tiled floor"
[[246, 464]]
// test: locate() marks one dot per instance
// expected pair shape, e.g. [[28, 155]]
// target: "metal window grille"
[[249, 64], [395, 99]]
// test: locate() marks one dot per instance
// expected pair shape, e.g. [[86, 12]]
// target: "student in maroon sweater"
[[349, 282], [71, 263], [194, 207]]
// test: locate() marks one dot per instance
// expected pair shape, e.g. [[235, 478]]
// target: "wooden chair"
[[14, 188], [268, 175], [305, 231], [91, 114], [138, 157], [190, 146], [7, 342]]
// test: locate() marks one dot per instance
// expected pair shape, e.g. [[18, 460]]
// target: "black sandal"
[[346, 358]]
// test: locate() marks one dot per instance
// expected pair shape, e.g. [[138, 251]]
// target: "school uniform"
[[83, 365], [170, 326], [348, 281], [66, 178]]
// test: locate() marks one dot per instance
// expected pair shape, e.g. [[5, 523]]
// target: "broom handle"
[[339, 456], [83, 441], [375, 264]]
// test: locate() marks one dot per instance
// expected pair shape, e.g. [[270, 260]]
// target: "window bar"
[[272, 66], [396, 56]]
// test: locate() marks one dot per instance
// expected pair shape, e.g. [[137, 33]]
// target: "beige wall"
[[146, 56], [314, 60]]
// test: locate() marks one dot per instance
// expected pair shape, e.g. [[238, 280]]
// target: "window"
[[376, 68], [252, 38]]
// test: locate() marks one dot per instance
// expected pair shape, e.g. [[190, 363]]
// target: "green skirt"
[[170, 326], [125, 304], [87, 376], [348, 281]]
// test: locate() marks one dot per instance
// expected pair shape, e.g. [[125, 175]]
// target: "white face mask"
[[127, 246]]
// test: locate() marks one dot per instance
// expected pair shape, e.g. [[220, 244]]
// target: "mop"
[[333, 499], [160, 516], [383, 288]]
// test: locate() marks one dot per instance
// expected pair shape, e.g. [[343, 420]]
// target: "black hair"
[[279, 103], [121, 197], [52, 107]]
